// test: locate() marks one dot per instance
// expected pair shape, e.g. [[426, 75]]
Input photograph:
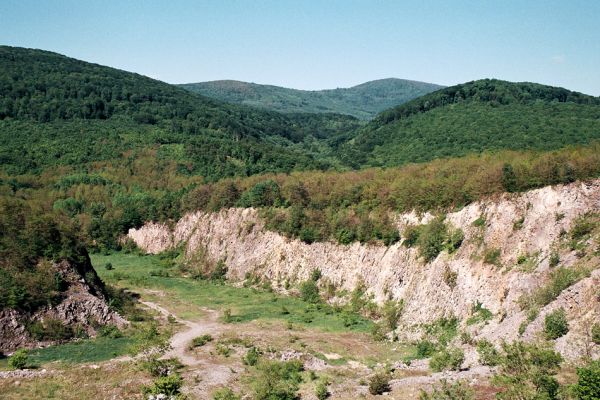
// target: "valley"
[[227, 240]]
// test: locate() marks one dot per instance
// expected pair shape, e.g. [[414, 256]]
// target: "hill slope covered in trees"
[[363, 101], [473, 117], [56, 110]]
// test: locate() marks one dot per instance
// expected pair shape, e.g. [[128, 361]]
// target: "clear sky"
[[323, 43]]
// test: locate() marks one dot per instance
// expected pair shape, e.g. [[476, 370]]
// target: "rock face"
[[520, 226], [83, 306]]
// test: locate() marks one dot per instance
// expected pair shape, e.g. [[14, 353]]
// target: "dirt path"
[[180, 342], [203, 371]]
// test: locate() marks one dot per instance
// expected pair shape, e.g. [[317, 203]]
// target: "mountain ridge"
[[363, 101]]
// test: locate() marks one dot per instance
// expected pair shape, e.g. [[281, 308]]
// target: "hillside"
[[47, 100], [363, 101], [472, 117]]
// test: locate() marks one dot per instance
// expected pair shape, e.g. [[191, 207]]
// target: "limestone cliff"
[[530, 226]]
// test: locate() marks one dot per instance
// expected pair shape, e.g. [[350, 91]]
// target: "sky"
[[321, 44]]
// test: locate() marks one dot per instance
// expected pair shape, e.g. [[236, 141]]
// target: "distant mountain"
[[472, 117], [363, 101]]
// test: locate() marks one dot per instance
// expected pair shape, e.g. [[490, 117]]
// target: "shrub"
[[379, 383], [518, 224], [309, 292], [454, 240], [432, 239], [378, 332], [277, 380], [220, 271], [225, 394], [596, 333], [555, 324], [488, 355], [554, 260], [458, 390], [411, 235], [223, 349], [492, 256], [392, 310], [583, 226], [158, 368], [588, 384], [166, 385], [526, 372], [480, 221], [447, 359], [315, 275], [51, 329], [479, 314], [560, 279], [110, 331], [321, 391], [201, 341], [251, 357], [425, 349], [450, 277], [18, 360], [108, 266]]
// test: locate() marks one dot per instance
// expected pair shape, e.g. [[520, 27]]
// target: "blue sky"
[[321, 44]]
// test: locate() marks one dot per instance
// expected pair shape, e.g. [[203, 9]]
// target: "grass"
[[246, 304], [90, 350]]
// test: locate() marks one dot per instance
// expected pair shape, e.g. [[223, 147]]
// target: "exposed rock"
[[399, 272], [83, 305]]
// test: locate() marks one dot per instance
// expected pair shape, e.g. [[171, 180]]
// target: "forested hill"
[[363, 101], [472, 117], [56, 110]]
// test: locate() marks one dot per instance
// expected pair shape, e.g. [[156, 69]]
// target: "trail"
[[203, 371], [180, 342]]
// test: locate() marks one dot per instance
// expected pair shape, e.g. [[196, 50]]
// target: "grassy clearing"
[[246, 304], [70, 383], [92, 350]]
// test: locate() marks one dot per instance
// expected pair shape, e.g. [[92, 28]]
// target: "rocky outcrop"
[[520, 226], [83, 306]]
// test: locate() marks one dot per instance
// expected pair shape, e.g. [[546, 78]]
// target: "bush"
[[108, 266], [315, 275], [110, 331], [411, 235], [488, 355], [50, 329], [492, 256], [158, 368], [321, 391], [252, 356], [379, 383], [526, 372], [555, 324], [378, 332], [458, 390], [18, 360], [201, 341], [277, 380], [596, 333], [220, 272], [166, 385], [309, 292], [425, 349], [479, 314], [447, 359], [588, 384], [432, 239], [450, 277], [225, 394]]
